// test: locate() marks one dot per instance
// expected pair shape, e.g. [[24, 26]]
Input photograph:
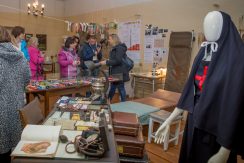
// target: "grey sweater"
[[14, 76]]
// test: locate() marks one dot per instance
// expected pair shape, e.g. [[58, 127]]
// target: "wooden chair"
[[31, 113], [48, 67]]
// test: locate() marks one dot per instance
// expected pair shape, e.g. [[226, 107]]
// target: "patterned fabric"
[[200, 76], [14, 76]]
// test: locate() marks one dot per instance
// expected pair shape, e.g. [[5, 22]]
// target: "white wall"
[[77, 7], [175, 15], [52, 7]]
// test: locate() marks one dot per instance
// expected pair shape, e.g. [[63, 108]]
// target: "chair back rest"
[[180, 47], [31, 113]]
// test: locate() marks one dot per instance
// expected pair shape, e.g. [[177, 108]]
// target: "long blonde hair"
[[115, 38], [33, 41]]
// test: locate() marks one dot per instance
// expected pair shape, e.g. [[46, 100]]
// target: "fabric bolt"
[[14, 77]]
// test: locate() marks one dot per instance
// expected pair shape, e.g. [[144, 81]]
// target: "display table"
[[111, 156], [79, 87], [82, 88]]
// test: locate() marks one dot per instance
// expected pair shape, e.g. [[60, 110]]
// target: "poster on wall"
[[148, 49], [42, 40], [129, 33], [154, 45]]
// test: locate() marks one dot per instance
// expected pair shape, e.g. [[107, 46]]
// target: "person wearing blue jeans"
[[121, 88], [116, 66]]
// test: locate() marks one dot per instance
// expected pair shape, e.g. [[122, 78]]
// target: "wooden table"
[[147, 82], [47, 93], [111, 156]]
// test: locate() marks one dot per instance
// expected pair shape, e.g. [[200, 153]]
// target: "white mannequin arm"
[[163, 130], [221, 156]]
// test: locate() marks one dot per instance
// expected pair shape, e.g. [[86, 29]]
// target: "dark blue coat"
[[115, 61], [88, 51]]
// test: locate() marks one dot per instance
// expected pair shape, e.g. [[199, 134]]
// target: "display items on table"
[[83, 133], [50, 84], [56, 83], [77, 103], [90, 140]]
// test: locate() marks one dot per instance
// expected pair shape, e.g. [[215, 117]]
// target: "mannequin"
[[208, 115]]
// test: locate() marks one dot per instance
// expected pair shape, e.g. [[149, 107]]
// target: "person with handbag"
[[116, 66], [36, 59]]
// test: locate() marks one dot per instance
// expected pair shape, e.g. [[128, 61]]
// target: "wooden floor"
[[155, 152]]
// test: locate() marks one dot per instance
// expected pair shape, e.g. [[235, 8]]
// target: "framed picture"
[[42, 40]]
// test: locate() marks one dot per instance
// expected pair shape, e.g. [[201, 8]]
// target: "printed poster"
[[129, 33]]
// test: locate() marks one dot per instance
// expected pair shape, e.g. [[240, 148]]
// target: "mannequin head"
[[212, 25]]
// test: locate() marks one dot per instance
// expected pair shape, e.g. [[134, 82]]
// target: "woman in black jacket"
[[116, 66]]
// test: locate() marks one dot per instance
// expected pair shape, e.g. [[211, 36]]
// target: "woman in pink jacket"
[[68, 59], [36, 59]]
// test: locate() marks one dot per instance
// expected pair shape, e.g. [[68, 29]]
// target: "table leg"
[[134, 85], [46, 106], [27, 98], [150, 130], [153, 85]]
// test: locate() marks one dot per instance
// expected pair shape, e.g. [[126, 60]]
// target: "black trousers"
[[198, 146], [5, 157]]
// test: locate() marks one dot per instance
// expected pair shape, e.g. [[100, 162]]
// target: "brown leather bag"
[[130, 146], [125, 123]]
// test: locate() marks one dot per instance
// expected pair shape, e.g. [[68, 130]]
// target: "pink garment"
[[36, 61], [66, 59]]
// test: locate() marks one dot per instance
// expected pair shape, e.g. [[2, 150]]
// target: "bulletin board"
[[155, 40]]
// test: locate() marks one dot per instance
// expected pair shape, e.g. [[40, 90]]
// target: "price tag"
[[120, 149]]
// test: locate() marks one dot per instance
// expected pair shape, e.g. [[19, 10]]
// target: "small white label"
[[94, 58]]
